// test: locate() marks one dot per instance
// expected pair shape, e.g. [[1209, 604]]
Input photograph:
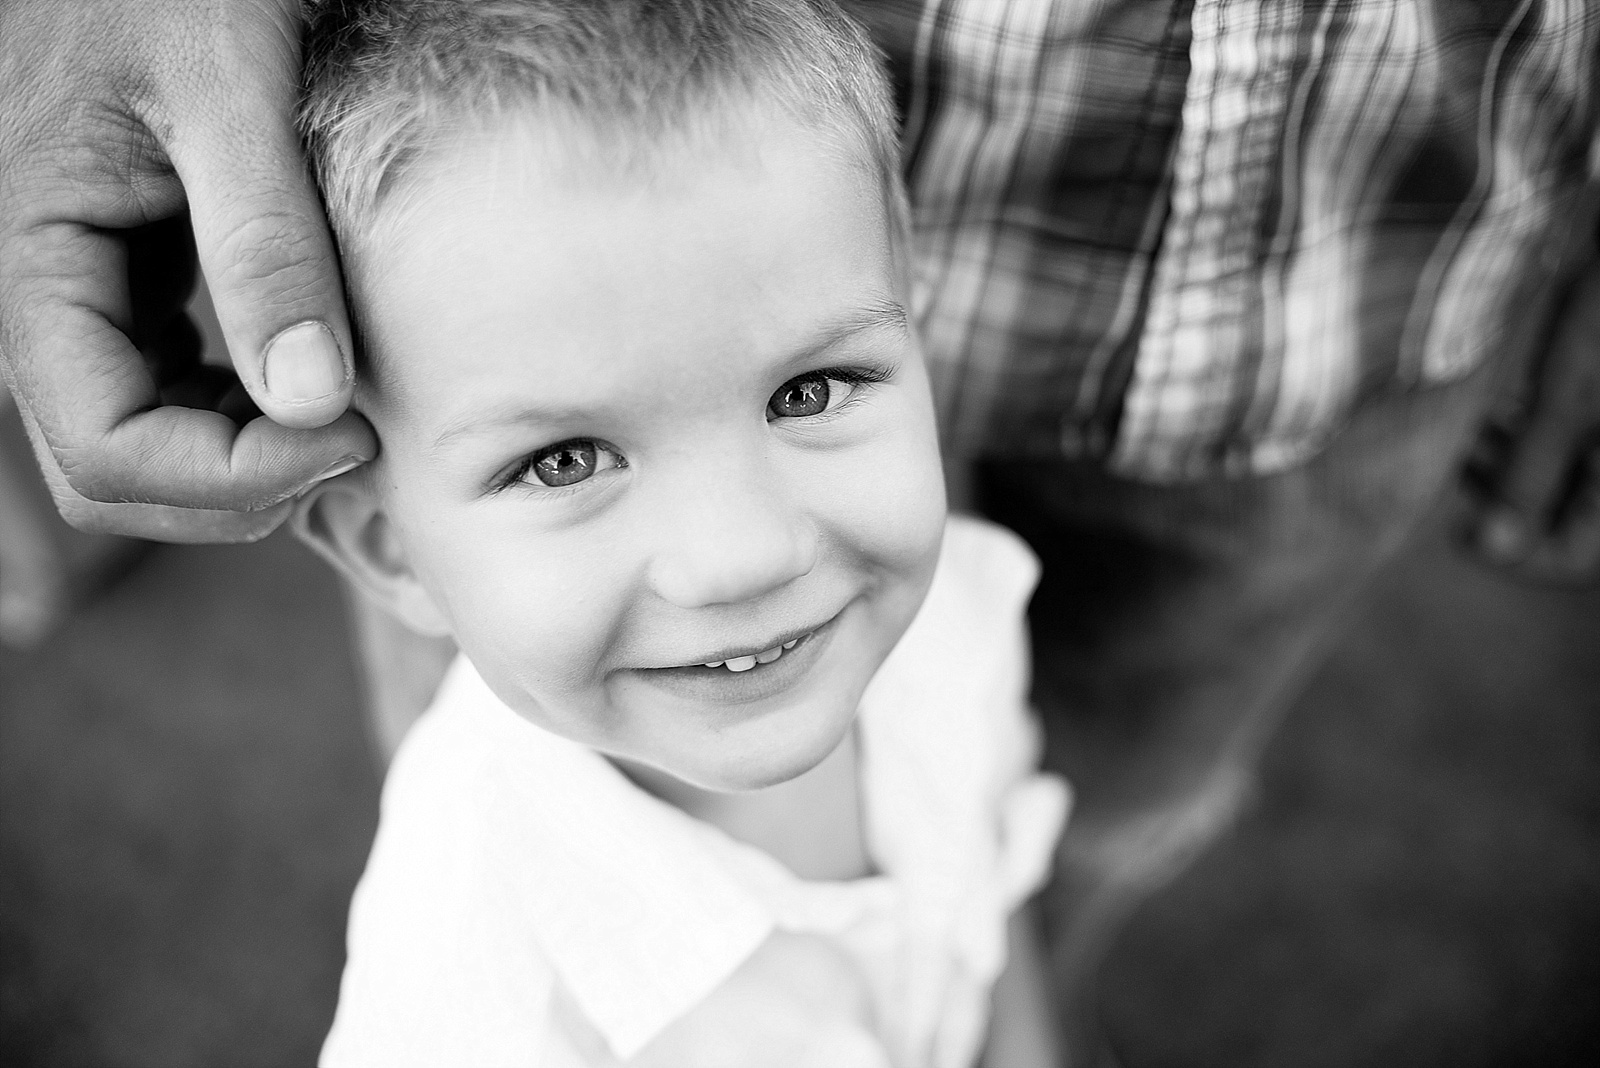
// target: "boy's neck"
[[811, 824]]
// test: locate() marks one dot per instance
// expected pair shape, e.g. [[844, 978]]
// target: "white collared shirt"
[[524, 897]]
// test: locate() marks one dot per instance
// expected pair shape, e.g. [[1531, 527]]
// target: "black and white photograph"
[[799, 533]]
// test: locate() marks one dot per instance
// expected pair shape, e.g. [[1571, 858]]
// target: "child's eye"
[[818, 392], [566, 463]]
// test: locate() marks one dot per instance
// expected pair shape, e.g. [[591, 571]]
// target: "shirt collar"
[[624, 895]]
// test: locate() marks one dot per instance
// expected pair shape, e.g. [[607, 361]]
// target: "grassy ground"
[[186, 801]]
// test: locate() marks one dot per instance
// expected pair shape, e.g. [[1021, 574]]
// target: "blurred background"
[[182, 819]]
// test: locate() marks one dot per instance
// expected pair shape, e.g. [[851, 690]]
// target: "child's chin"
[[773, 765]]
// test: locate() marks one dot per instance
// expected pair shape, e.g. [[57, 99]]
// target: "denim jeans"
[[1172, 626]]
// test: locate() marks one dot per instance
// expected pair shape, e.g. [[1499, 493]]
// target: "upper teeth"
[[745, 663]]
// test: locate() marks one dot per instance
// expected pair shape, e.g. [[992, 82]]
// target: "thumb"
[[263, 239]]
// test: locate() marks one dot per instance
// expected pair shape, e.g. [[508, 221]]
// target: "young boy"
[[719, 779]]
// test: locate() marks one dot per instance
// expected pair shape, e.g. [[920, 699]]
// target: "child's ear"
[[345, 522]]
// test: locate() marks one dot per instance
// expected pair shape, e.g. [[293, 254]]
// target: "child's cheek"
[[532, 606], [902, 508]]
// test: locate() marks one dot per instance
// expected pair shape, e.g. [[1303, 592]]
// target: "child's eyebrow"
[[882, 314]]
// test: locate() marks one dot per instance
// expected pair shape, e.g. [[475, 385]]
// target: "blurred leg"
[[1172, 628]]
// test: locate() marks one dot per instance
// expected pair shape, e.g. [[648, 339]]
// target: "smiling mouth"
[[766, 656], [746, 678]]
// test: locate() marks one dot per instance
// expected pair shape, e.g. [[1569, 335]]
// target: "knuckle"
[[91, 160], [115, 473], [274, 250], [261, 39], [47, 91], [93, 474]]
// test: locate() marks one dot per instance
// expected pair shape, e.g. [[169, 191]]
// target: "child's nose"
[[732, 540]]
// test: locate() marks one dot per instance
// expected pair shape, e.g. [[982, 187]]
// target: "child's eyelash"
[[855, 376], [518, 475]]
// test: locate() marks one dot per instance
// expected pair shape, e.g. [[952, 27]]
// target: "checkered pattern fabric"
[[1188, 237]]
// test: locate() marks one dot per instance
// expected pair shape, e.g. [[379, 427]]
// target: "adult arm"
[[124, 123]]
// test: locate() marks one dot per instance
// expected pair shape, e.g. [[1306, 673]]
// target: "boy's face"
[[633, 425]]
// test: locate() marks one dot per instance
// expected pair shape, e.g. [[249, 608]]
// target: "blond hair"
[[387, 79]]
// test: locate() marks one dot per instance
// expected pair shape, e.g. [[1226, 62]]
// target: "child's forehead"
[[558, 155], [749, 247], [518, 198]]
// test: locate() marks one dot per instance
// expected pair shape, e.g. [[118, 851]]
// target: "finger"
[[154, 522], [95, 403], [263, 240], [157, 522]]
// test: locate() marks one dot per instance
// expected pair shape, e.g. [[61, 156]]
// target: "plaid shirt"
[[1188, 237]]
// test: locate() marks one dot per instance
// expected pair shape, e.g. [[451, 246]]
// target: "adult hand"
[[1540, 476], [123, 122], [797, 1002]]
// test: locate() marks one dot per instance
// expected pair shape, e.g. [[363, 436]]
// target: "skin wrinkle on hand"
[[91, 149]]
